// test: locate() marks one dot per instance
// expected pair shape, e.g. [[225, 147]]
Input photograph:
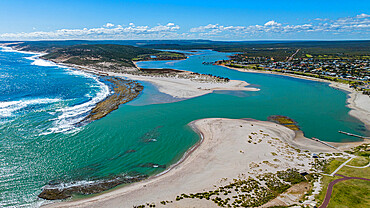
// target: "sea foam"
[[9, 49], [70, 116], [41, 62], [7, 109]]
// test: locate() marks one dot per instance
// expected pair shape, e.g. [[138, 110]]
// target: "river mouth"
[[30, 162]]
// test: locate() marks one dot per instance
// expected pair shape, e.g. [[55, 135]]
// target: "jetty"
[[322, 142], [354, 135]]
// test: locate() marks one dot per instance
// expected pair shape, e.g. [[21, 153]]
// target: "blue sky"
[[162, 19]]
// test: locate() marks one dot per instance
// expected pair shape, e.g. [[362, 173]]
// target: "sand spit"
[[230, 149], [177, 87]]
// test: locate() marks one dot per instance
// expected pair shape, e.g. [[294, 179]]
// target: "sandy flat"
[[186, 88], [224, 154]]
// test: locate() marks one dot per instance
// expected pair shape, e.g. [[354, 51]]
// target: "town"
[[353, 71]]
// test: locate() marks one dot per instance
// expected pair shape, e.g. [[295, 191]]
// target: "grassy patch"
[[355, 172], [359, 161], [334, 164], [351, 193], [324, 182]]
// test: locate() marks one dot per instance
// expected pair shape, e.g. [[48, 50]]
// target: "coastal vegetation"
[[90, 53], [251, 192], [275, 49], [108, 54], [285, 121], [361, 150]]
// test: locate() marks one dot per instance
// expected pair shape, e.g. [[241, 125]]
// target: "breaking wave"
[[65, 118], [41, 62], [8, 109], [69, 117]]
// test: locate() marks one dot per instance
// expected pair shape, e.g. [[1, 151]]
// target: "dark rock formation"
[[54, 192], [130, 151]]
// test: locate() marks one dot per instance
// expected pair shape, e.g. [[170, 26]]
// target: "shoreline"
[[183, 158], [123, 91], [205, 164], [358, 103]]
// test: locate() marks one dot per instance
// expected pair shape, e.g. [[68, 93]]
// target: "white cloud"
[[109, 25], [363, 16], [321, 19], [342, 25], [358, 24], [204, 28], [107, 31], [272, 23]]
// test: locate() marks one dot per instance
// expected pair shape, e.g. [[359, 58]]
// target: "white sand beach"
[[230, 149]]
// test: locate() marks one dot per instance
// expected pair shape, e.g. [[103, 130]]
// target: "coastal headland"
[[120, 61]]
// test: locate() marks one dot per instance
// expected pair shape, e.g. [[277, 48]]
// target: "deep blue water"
[[30, 85]]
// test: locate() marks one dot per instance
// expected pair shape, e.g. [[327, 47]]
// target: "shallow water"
[[32, 155]]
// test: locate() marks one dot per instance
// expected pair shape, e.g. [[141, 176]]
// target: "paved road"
[[291, 57], [330, 188]]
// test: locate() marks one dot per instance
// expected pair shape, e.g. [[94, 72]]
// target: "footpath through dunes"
[[231, 150]]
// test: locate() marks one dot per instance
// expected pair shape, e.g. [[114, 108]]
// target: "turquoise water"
[[157, 132]]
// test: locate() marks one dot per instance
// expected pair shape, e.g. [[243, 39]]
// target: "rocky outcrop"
[[123, 91], [59, 191]]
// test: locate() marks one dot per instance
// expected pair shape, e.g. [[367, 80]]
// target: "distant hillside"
[[362, 46], [108, 55], [279, 50]]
